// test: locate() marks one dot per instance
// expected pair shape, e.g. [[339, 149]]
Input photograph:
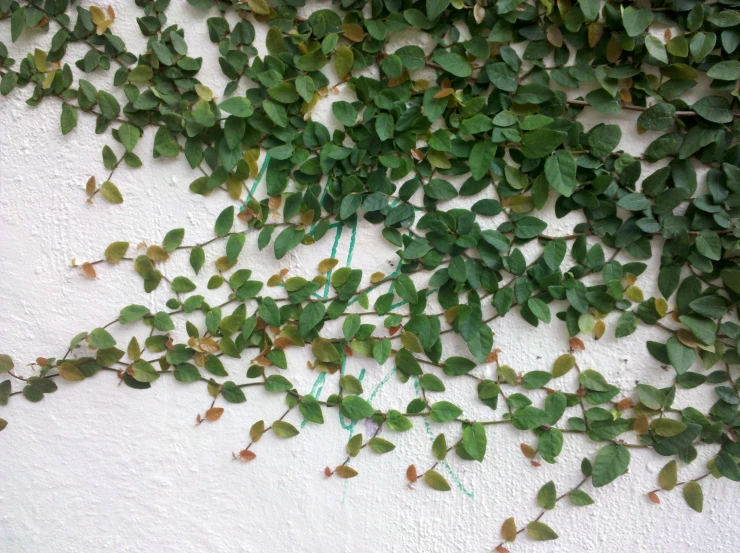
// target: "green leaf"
[[197, 258], [436, 481], [311, 315], [144, 371], [528, 418], [474, 441], [539, 309], [636, 20], [343, 61], [580, 498], [435, 8], [277, 383], [355, 408], [324, 350], [5, 390], [714, 108], [657, 117], [32, 394], [456, 366], [481, 157], [232, 393], [288, 239], [129, 136], [384, 126], [455, 64], [708, 244], [110, 192], [593, 380], [547, 496], [603, 139], [590, 9], [563, 365], [173, 239], [667, 427], [310, 408], [656, 48], [187, 372], [237, 106], [540, 531], [100, 338], [6, 363], [611, 462], [116, 251], [541, 142], [728, 70], [529, 227], [182, 285], [668, 477], [726, 465], [284, 430], [444, 411], [439, 447], [651, 397], [694, 496], [224, 222], [345, 113], [132, 313], [108, 105], [350, 384], [379, 445], [68, 118], [560, 171]]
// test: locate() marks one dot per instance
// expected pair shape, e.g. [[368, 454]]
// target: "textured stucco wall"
[[100, 467]]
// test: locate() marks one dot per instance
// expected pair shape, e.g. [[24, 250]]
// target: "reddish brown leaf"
[[576, 344], [411, 474], [508, 529], [624, 404], [247, 455], [652, 496], [282, 342], [493, 356], [88, 270], [444, 93], [246, 215], [641, 425], [528, 451], [214, 413], [345, 471], [90, 186], [275, 202]]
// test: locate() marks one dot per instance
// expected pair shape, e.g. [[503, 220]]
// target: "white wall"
[[101, 467]]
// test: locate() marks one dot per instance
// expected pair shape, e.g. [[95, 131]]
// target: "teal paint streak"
[[316, 389], [318, 385], [262, 172], [446, 465], [352, 243]]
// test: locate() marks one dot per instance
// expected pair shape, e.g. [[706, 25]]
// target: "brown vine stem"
[[363, 446], [702, 477], [542, 513], [630, 107]]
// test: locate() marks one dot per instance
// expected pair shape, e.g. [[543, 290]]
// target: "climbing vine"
[[485, 114]]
